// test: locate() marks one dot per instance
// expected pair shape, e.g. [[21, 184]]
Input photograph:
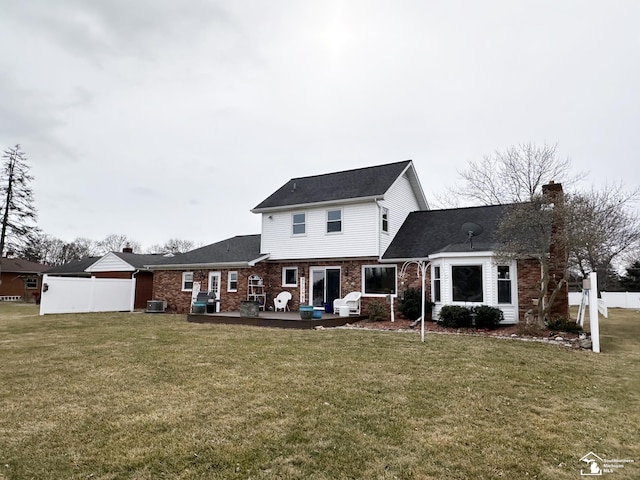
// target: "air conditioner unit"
[[156, 306]]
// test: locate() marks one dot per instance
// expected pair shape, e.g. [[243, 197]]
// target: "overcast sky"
[[160, 118]]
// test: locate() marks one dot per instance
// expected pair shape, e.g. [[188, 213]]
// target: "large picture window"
[[467, 283], [379, 280], [504, 284]]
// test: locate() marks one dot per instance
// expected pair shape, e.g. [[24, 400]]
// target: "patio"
[[274, 319]]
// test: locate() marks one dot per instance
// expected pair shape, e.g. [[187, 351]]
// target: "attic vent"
[[293, 189]]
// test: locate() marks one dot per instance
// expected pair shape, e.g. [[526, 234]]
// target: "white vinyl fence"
[[611, 299], [79, 295]]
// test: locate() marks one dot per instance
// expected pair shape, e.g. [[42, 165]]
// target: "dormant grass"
[[149, 396]]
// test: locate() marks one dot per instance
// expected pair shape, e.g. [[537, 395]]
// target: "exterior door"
[[324, 286], [214, 286]]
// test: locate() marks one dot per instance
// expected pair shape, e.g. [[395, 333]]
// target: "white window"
[[232, 282], [437, 285], [299, 223], [290, 277], [187, 281], [334, 221], [379, 280], [467, 283], [504, 284], [385, 220]]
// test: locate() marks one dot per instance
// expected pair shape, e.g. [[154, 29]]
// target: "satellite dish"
[[471, 229]]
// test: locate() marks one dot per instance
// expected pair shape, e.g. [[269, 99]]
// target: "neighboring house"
[[327, 235], [125, 265], [20, 279], [322, 237]]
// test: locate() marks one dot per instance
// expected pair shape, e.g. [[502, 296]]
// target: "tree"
[[513, 175], [536, 230], [116, 242], [18, 212], [630, 281], [173, 245]]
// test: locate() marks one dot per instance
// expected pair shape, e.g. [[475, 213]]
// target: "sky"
[[159, 119]]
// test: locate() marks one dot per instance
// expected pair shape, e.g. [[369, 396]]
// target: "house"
[[322, 237], [358, 230], [20, 279], [124, 265]]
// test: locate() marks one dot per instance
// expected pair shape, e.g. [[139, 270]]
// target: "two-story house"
[[322, 237]]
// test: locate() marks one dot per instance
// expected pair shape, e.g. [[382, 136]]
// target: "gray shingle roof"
[[432, 231], [238, 249], [350, 184], [140, 260], [77, 267], [18, 265]]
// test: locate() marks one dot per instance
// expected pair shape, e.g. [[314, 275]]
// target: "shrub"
[[410, 305], [377, 312], [487, 317], [562, 324], [455, 316]]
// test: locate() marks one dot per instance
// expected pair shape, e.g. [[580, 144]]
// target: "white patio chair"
[[352, 300], [281, 302]]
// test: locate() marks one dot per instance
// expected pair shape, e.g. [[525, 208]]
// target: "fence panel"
[[79, 295]]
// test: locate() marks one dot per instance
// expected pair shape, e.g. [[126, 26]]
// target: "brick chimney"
[[557, 249], [127, 249]]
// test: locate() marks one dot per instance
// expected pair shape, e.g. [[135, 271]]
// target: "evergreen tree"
[[17, 211]]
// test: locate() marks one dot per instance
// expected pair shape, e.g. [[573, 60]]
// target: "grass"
[[141, 396]]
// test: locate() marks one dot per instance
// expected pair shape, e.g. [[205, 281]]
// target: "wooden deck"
[[275, 319]]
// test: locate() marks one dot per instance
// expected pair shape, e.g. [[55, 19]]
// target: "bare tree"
[[116, 242], [536, 230], [603, 226], [173, 245], [513, 175], [18, 212]]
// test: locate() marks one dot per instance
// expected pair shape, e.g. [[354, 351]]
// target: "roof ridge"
[[351, 170]]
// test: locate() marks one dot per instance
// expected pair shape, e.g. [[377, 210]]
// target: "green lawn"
[[150, 396]]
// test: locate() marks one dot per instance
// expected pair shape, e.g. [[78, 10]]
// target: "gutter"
[[340, 201], [183, 266], [253, 262]]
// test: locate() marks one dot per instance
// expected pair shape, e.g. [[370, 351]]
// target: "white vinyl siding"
[[110, 263], [359, 236], [400, 201], [489, 283]]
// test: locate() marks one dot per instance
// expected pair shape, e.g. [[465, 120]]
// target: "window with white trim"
[[31, 283], [437, 284], [467, 283], [232, 282], [385, 220], [379, 280], [504, 284], [290, 276], [334, 221], [187, 281], [298, 223]]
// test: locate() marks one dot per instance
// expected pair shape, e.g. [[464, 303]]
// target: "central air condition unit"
[[156, 306]]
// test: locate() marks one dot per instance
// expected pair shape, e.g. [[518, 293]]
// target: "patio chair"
[[281, 302], [352, 300]]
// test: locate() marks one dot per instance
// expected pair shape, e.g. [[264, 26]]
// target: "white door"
[[214, 286]]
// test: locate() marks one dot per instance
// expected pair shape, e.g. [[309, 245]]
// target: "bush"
[[377, 312], [455, 316], [562, 324], [410, 305], [487, 317]]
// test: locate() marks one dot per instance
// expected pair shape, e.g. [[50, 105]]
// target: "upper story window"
[[385, 220], [334, 221], [504, 284], [379, 280], [298, 222], [232, 282], [290, 277], [187, 281], [467, 283], [437, 284]]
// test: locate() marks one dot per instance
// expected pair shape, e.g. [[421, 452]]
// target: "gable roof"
[[18, 265], [124, 262], [361, 183], [428, 232], [240, 250]]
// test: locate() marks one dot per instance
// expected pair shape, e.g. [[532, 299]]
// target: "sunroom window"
[[467, 283]]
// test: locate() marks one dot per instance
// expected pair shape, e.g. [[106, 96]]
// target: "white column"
[[594, 326]]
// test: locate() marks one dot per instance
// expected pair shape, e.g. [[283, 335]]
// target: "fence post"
[[593, 313]]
